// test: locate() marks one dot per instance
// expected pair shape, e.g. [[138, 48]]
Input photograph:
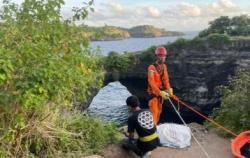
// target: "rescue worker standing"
[[158, 83]]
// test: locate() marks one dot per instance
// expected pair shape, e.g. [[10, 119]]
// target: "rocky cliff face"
[[194, 73]]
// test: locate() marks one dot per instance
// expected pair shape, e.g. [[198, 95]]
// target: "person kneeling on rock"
[[142, 122]]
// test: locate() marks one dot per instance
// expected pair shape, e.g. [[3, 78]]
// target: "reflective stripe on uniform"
[[149, 138]]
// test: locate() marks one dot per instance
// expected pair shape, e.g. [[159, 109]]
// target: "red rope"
[[207, 118]]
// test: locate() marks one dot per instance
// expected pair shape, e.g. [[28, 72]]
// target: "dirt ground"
[[215, 146]]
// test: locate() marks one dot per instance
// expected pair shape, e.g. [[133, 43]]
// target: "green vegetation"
[[119, 62], [116, 64], [235, 26], [151, 31], [84, 134], [201, 43], [218, 39], [234, 112], [147, 55], [106, 33], [46, 66], [117, 33]]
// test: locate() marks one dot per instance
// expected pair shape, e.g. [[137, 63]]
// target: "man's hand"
[[129, 135], [164, 95], [170, 92], [125, 134]]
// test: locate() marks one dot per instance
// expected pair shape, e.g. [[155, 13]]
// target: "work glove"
[[170, 92], [164, 95]]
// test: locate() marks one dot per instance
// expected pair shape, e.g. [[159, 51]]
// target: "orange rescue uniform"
[[158, 80]]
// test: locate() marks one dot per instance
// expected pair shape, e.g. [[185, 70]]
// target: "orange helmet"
[[161, 51]]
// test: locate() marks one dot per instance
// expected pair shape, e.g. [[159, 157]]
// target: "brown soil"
[[215, 146]]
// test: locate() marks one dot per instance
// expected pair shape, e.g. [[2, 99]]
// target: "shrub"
[[234, 112], [178, 44], [217, 39], [119, 62], [147, 55], [86, 134]]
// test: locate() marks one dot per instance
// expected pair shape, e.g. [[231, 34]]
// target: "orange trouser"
[[155, 105]]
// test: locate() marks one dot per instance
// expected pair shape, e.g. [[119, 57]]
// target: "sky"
[[174, 15]]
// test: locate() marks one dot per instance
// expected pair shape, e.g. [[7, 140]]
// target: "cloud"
[[227, 4], [117, 7], [178, 16], [222, 7], [110, 10], [153, 12], [113, 7], [115, 11], [215, 9], [148, 11], [189, 9]]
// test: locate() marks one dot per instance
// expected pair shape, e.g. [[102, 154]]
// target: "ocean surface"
[[110, 103], [135, 44]]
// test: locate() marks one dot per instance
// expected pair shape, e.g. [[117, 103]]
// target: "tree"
[[240, 26], [220, 25], [236, 26]]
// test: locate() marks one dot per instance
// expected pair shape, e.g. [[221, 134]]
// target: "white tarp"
[[174, 135]]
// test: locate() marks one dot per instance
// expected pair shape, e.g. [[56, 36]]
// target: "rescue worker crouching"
[[140, 121]]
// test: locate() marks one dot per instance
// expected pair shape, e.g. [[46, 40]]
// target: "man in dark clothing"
[[142, 122]]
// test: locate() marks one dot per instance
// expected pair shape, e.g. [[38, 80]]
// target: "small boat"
[[240, 146]]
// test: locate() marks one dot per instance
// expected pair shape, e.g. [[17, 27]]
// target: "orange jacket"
[[156, 81]]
